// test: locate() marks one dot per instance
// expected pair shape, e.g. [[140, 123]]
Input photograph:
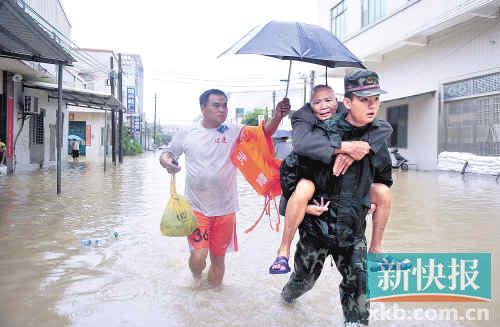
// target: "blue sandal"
[[283, 267]]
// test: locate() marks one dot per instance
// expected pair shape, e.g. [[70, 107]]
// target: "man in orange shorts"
[[218, 234], [211, 180]]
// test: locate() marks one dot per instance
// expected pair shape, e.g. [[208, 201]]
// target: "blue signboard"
[[137, 124], [130, 100]]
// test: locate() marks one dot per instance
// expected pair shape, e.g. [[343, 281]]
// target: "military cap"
[[363, 83]]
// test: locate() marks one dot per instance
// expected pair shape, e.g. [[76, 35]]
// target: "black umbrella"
[[296, 41]]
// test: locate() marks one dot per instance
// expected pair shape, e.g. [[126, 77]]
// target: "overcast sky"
[[179, 42]]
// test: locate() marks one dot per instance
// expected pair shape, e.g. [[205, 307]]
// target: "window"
[[337, 20], [472, 125], [398, 118], [470, 119], [472, 87], [371, 11], [36, 125]]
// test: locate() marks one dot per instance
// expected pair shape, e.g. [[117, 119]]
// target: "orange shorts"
[[217, 233]]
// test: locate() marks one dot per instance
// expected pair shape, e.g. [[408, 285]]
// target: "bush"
[[131, 146]]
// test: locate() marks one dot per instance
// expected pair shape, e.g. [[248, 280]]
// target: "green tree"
[[252, 118], [131, 146]]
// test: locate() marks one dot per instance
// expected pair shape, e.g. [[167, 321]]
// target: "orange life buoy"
[[253, 155]]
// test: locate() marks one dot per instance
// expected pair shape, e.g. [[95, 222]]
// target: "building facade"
[[28, 91], [93, 125], [440, 64], [31, 130], [133, 94]]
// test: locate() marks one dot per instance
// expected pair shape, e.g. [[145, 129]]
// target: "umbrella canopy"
[[296, 41], [74, 138]]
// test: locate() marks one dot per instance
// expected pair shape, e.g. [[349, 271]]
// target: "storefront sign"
[[137, 124], [130, 100]]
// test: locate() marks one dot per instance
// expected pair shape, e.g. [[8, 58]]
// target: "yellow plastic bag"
[[178, 218]]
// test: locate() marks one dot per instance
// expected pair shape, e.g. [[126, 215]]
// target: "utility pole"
[[59, 125], [113, 112], [146, 134], [120, 113], [274, 102], [141, 131], [159, 125], [105, 137], [154, 125]]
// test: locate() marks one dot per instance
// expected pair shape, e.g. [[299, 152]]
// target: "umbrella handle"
[[326, 75], [288, 79]]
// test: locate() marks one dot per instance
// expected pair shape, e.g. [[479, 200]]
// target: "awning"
[[78, 97], [21, 37]]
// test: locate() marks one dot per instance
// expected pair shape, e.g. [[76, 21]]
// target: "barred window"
[[472, 87], [37, 129], [472, 125]]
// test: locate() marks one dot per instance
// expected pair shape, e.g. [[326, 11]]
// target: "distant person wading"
[[75, 149]]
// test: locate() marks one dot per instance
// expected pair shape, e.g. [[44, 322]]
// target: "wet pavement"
[[47, 278]]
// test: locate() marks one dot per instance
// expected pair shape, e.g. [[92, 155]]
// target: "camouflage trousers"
[[309, 258]]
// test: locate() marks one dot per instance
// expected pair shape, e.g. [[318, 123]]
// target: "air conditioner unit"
[[31, 104]]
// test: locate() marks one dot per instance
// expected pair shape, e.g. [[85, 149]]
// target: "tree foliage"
[[252, 118], [131, 145]]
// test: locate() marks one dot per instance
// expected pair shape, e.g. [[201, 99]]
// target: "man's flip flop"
[[283, 267]]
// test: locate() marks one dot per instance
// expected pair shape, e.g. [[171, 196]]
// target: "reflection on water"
[[140, 279]]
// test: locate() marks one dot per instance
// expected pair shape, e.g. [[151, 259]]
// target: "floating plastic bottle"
[[98, 242], [90, 242]]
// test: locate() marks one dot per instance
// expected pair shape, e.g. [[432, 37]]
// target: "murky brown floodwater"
[[141, 279]]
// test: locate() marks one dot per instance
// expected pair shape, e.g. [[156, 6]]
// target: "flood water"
[[141, 279]]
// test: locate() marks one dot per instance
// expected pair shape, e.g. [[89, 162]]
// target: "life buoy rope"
[[267, 211]]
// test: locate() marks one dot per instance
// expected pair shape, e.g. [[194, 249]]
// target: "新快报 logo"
[[429, 277]]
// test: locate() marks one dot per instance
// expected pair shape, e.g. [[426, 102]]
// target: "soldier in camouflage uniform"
[[340, 231]]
